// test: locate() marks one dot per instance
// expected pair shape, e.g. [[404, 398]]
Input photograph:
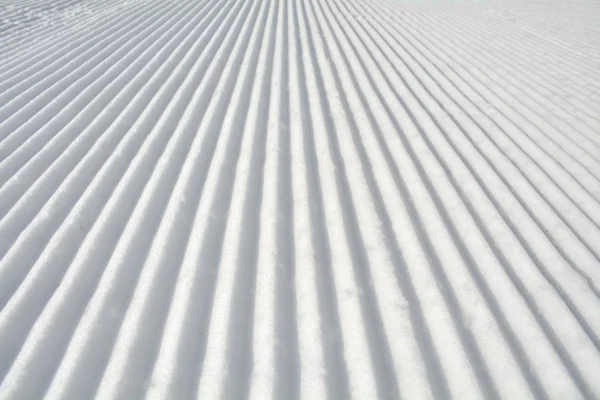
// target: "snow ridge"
[[299, 199]]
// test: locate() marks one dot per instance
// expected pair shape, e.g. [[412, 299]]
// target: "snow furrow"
[[289, 199]]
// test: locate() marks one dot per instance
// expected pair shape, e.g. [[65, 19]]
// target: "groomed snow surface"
[[282, 199]]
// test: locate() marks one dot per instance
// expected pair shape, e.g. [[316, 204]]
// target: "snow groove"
[[299, 199]]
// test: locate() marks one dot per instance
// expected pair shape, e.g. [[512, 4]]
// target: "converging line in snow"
[[288, 199]]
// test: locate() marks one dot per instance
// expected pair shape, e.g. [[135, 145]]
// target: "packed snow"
[[300, 199]]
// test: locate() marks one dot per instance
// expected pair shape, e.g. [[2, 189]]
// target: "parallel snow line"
[[514, 45], [365, 103], [45, 33], [472, 353], [74, 150], [585, 73], [257, 351], [107, 94], [359, 219], [417, 375], [215, 40], [575, 37], [518, 72], [463, 128], [145, 309], [540, 21], [163, 66], [591, 219], [42, 94], [497, 315], [358, 347], [474, 61], [286, 324], [46, 38], [43, 117], [106, 290], [532, 78], [555, 43], [15, 29], [26, 75], [79, 173], [64, 55], [312, 361], [298, 199], [228, 375], [335, 369], [76, 354], [181, 382], [92, 110]]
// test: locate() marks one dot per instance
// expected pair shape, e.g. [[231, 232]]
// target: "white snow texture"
[[300, 199]]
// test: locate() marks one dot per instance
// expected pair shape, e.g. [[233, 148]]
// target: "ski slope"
[[282, 199]]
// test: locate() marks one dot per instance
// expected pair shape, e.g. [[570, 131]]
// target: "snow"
[[300, 199]]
